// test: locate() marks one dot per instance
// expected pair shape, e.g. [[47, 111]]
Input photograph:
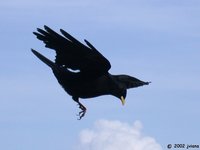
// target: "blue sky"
[[153, 40]]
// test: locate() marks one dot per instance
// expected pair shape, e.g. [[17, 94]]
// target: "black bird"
[[82, 70]]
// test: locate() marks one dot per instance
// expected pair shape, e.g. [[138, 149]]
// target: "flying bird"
[[81, 69]]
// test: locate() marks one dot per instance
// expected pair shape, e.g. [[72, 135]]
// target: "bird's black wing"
[[71, 53]]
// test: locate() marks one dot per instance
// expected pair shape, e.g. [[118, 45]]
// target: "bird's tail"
[[45, 60], [130, 82]]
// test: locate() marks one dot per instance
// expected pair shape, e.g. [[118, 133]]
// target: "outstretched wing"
[[71, 53]]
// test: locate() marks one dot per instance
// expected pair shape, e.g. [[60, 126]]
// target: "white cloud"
[[116, 135]]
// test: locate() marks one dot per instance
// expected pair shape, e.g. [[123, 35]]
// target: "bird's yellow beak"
[[122, 100]]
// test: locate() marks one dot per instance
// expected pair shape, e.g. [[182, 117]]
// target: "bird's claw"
[[81, 114]]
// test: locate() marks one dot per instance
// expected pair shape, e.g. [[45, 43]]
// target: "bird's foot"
[[81, 114]]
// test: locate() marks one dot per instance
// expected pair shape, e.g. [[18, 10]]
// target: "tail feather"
[[130, 82]]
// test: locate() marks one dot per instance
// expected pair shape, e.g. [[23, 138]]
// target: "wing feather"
[[73, 54]]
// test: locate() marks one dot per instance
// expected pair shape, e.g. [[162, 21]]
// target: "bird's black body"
[[92, 78]]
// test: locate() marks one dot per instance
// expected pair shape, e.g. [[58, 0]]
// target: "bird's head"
[[123, 83], [121, 94]]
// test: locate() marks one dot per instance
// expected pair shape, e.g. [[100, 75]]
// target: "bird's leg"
[[81, 106]]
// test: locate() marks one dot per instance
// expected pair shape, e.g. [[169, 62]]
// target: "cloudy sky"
[[153, 40]]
